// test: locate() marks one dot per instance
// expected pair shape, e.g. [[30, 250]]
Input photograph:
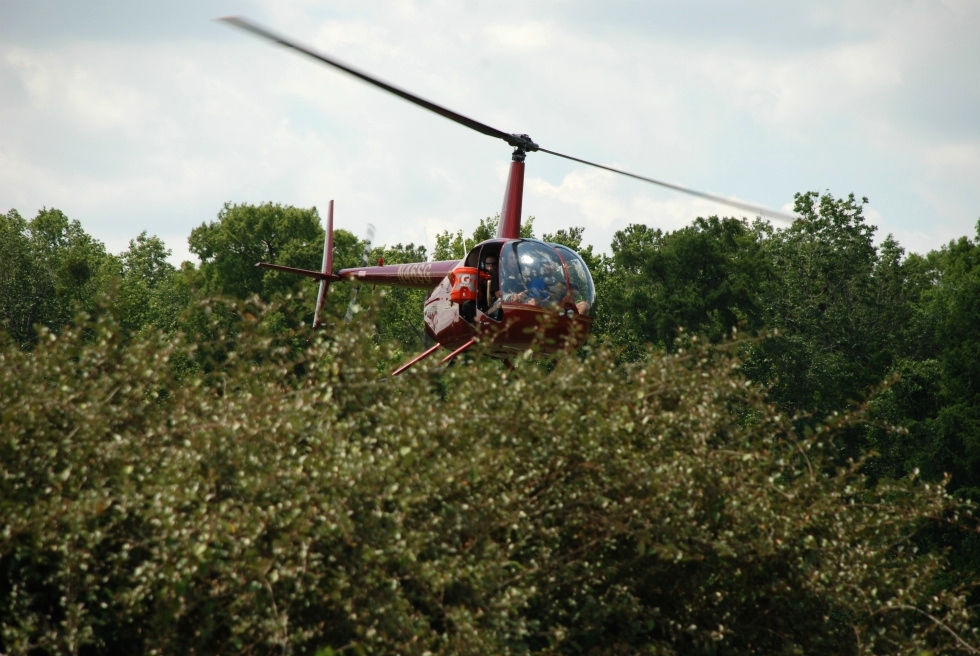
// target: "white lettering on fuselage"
[[417, 273]]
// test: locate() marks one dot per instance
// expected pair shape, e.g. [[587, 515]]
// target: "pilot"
[[488, 295]]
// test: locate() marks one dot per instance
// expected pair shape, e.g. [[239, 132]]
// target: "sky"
[[150, 116]]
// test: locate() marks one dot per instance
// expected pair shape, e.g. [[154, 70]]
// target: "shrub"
[[286, 500]]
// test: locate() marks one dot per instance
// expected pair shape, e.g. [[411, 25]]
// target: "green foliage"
[[487, 229], [450, 246], [50, 269], [706, 278], [288, 501], [203, 475], [152, 291], [17, 300], [844, 309], [937, 395], [823, 300], [245, 234]]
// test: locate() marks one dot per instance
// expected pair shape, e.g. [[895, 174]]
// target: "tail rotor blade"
[[353, 307], [366, 253]]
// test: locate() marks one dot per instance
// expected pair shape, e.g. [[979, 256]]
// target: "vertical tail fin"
[[327, 267]]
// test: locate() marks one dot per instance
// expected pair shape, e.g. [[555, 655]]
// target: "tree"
[[934, 393], [245, 234], [937, 396], [450, 246], [52, 269], [706, 278], [832, 298], [151, 290], [18, 303]]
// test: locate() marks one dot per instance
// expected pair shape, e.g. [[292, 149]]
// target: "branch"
[[940, 624]]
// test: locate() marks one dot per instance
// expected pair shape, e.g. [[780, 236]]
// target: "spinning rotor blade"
[[758, 209], [244, 24], [520, 141]]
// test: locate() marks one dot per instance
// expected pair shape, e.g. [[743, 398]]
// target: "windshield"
[[532, 273]]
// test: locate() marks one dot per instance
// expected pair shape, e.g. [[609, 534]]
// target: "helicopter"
[[509, 293]]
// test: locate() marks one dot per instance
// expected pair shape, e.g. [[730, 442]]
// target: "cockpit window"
[[582, 288], [532, 273]]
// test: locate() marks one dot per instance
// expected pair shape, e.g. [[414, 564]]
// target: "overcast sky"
[[133, 116]]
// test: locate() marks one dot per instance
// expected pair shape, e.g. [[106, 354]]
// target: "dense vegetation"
[[184, 470]]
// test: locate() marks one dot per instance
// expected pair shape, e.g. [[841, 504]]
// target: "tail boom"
[[316, 275]]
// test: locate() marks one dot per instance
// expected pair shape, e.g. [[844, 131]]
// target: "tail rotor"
[[353, 307]]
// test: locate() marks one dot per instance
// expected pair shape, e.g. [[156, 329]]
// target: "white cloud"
[[128, 134], [527, 37]]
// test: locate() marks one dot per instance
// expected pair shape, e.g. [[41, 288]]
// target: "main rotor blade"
[[756, 209], [521, 141], [244, 24]]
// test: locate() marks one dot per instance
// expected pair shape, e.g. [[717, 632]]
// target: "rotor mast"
[[510, 213]]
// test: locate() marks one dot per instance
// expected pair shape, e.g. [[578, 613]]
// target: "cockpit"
[[527, 272]]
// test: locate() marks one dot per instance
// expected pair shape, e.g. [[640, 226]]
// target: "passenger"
[[553, 293], [581, 305], [511, 283], [527, 294], [537, 292], [557, 293], [534, 288]]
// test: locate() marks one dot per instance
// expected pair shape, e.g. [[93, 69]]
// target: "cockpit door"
[[484, 260]]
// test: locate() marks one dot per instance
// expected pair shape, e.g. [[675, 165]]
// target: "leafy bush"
[[286, 500]]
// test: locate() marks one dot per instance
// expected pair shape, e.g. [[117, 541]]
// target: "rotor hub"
[[523, 144]]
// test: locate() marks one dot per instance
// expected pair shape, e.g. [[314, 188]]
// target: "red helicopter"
[[508, 293]]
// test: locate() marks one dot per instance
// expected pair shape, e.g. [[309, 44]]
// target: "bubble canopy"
[[545, 275]]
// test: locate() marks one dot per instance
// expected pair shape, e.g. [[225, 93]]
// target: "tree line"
[[843, 313], [808, 410]]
